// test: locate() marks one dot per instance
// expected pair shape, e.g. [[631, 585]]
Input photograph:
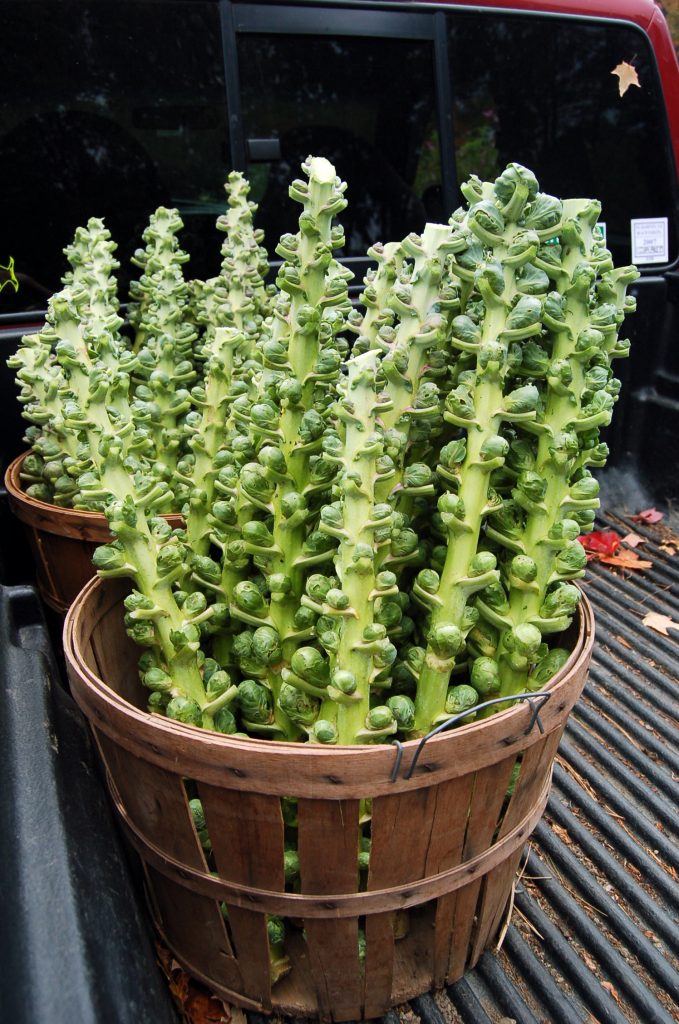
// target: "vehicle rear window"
[[108, 109], [540, 91], [340, 97]]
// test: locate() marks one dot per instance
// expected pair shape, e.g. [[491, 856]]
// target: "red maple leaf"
[[600, 542]]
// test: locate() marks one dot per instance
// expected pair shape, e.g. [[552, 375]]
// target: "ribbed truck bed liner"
[[594, 932]]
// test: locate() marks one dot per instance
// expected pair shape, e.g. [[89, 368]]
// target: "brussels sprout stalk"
[[463, 512], [362, 646], [550, 530]]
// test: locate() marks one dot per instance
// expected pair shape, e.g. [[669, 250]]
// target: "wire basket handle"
[[536, 700]]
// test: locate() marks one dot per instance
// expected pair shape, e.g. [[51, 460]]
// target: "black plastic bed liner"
[[594, 933]]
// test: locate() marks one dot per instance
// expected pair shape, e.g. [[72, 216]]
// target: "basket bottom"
[[295, 996]]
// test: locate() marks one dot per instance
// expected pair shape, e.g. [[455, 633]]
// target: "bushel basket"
[[446, 842], [62, 540]]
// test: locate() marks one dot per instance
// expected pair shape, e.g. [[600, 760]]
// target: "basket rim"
[[79, 524], [336, 772]]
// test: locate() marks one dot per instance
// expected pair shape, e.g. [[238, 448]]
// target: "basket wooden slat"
[[535, 764], [453, 806], [155, 801], [490, 786], [379, 963], [328, 837], [193, 927], [398, 853], [246, 831], [445, 842]]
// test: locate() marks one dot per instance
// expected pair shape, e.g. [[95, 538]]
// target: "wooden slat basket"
[[446, 843], [62, 541]]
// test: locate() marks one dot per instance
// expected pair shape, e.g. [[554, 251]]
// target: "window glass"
[[108, 109], [344, 98], [540, 91]]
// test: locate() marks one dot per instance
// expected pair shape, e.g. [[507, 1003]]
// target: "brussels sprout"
[[523, 568], [323, 731], [108, 558], [344, 681], [494, 447], [562, 600], [522, 643], [465, 330], [404, 543], [266, 645], [571, 560], [255, 702], [486, 215], [446, 639], [257, 535], [585, 489], [337, 599], [206, 569], [158, 680], [530, 280], [380, 718], [157, 702], [224, 721], [248, 597], [418, 475], [218, 682], [534, 360], [461, 698], [460, 404], [453, 454], [525, 314], [389, 614], [309, 664], [531, 487], [522, 400], [482, 563], [485, 677], [548, 667], [275, 929], [182, 709], [515, 179], [299, 706], [428, 580], [403, 710], [198, 814], [543, 213], [291, 865]]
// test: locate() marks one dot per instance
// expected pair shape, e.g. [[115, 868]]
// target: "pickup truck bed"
[[593, 934]]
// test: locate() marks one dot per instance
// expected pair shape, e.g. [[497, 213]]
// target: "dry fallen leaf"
[[562, 834], [589, 963], [626, 560], [649, 515], [609, 988], [633, 540], [660, 623], [197, 1004], [627, 75], [625, 643], [668, 549]]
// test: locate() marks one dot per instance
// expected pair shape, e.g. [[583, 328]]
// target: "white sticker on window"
[[649, 240]]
